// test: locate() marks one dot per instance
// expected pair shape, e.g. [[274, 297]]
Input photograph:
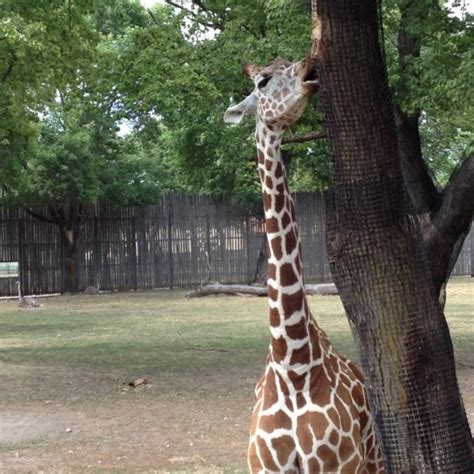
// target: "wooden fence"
[[180, 242]]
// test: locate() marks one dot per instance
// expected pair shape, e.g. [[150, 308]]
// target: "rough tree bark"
[[377, 256]]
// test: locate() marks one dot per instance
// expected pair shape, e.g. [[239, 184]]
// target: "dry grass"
[[65, 366]]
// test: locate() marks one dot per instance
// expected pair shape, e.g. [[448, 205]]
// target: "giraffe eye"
[[264, 82]]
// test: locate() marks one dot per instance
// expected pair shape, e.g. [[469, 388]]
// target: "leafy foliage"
[[436, 79], [106, 100]]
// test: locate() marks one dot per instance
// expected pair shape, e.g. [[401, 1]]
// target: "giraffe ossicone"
[[311, 413]]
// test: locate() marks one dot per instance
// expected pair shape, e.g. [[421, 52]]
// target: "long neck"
[[289, 313]]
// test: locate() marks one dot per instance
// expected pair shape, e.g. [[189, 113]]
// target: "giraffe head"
[[282, 90]]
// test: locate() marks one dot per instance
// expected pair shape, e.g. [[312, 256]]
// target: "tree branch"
[[152, 16], [204, 8], [421, 188], [218, 26], [450, 225], [40, 217], [7, 73], [457, 208], [307, 137]]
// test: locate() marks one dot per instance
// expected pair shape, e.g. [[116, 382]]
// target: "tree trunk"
[[377, 256], [69, 222], [70, 264]]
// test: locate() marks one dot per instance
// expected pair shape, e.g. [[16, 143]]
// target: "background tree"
[[429, 53], [59, 134]]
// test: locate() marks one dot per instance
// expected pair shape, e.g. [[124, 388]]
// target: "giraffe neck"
[[294, 336]]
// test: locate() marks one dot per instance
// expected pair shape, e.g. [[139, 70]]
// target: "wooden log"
[[255, 290], [322, 289]]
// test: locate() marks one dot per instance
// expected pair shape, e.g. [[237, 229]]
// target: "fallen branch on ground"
[[254, 290]]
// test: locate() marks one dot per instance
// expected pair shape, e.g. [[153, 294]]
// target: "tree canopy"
[[109, 100]]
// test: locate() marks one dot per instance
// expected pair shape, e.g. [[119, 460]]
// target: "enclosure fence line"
[[182, 241]]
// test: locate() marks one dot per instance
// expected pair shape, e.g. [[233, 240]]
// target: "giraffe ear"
[[236, 113], [251, 70]]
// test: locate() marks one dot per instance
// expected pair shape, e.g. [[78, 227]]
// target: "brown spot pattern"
[[290, 241], [329, 457], [321, 390], [272, 225], [297, 331], [297, 380], [346, 448], [284, 446], [279, 202], [352, 466], [274, 317], [280, 347], [267, 200], [278, 170], [271, 270], [334, 437], [272, 293], [266, 455], [313, 465], [288, 276], [291, 303], [280, 419], [276, 250], [300, 356]]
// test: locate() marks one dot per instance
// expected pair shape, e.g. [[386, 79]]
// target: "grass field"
[[66, 405]]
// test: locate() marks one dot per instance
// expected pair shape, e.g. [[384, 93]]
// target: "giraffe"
[[311, 413]]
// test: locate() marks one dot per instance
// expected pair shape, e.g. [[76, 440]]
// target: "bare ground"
[[201, 427], [80, 418], [197, 424]]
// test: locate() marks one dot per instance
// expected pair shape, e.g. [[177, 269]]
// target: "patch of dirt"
[[28, 426], [195, 425], [97, 423]]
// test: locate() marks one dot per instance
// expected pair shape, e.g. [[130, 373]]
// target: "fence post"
[[247, 245], [170, 240], [472, 251], [208, 244], [21, 255], [61, 258], [96, 256], [134, 253]]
